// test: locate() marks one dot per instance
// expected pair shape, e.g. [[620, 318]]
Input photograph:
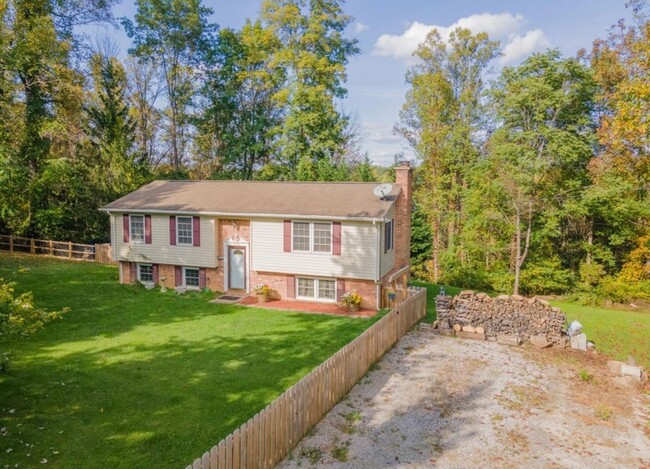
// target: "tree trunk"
[[436, 249], [515, 289]]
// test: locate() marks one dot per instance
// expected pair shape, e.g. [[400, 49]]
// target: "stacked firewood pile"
[[507, 316]]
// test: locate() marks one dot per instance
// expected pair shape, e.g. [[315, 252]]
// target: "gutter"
[[235, 215]]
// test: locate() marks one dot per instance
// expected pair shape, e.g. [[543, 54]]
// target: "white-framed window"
[[322, 237], [184, 230], [389, 235], [301, 236], [311, 236], [136, 228], [321, 289], [191, 277], [145, 273]]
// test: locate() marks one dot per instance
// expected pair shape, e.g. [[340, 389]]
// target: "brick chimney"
[[403, 177]]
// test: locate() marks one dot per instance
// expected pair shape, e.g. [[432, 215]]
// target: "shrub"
[[466, 277], [262, 289], [546, 277], [19, 317], [351, 299]]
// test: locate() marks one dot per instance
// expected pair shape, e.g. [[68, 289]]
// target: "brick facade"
[[234, 230]]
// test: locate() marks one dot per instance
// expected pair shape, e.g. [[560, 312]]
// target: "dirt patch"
[[444, 402]]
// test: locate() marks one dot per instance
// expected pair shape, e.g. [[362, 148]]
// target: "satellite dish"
[[382, 190]]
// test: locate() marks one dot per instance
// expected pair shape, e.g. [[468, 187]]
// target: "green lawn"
[[617, 333], [136, 378]]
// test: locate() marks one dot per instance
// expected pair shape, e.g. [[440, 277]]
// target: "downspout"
[[377, 265]]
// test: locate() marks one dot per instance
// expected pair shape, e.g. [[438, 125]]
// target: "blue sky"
[[389, 30]]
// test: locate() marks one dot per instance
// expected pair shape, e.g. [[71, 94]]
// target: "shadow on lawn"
[[130, 404]]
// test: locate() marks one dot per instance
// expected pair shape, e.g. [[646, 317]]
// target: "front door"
[[237, 268]]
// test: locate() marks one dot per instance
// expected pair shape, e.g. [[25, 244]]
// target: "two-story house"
[[307, 240]]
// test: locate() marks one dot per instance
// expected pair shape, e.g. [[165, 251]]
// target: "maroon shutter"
[[340, 289], [196, 231], [201, 279], [172, 230], [291, 286], [125, 227], [178, 276], [156, 275], [287, 235], [385, 238], [147, 229], [336, 238], [133, 272]]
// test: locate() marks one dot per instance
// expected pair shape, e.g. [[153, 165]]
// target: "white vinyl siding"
[[136, 230], [386, 259], [358, 257], [184, 230], [160, 251]]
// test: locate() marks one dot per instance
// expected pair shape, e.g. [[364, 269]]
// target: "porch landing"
[[307, 307]]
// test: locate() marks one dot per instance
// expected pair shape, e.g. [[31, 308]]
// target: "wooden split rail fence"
[[88, 252], [267, 438]]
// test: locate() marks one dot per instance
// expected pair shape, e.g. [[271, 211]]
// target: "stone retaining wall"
[[514, 315]]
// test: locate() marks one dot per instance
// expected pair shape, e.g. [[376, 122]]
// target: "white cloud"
[[359, 27], [502, 26], [519, 47]]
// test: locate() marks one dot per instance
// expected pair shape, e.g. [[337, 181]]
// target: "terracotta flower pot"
[[261, 298], [353, 308]]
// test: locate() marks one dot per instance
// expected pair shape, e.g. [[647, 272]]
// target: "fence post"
[[70, 249], [50, 243], [32, 246], [11, 243]]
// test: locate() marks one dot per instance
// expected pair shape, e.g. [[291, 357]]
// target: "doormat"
[[228, 299]]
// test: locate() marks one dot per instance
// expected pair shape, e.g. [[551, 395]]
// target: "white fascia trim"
[[243, 215]]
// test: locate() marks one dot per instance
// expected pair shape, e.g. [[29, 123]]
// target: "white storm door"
[[237, 268]]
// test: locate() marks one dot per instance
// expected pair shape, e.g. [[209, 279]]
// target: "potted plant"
[[391, 296], [351, 300], [262, 291]]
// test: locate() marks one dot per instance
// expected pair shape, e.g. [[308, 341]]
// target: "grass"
[[137, 378], [618, 333]]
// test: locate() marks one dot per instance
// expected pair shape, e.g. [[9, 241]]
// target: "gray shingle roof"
[[302, 199]]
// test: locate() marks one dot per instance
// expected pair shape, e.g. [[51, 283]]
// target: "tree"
[[618, 200], [144, 89], [235, 128], [110, 128], [175, 35], [313, 56], [441, 121], [540, 153]]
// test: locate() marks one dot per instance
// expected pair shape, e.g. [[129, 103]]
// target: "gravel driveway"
[[442, 402]]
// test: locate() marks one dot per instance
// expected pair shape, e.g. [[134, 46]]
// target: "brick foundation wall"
[[367, 289]]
